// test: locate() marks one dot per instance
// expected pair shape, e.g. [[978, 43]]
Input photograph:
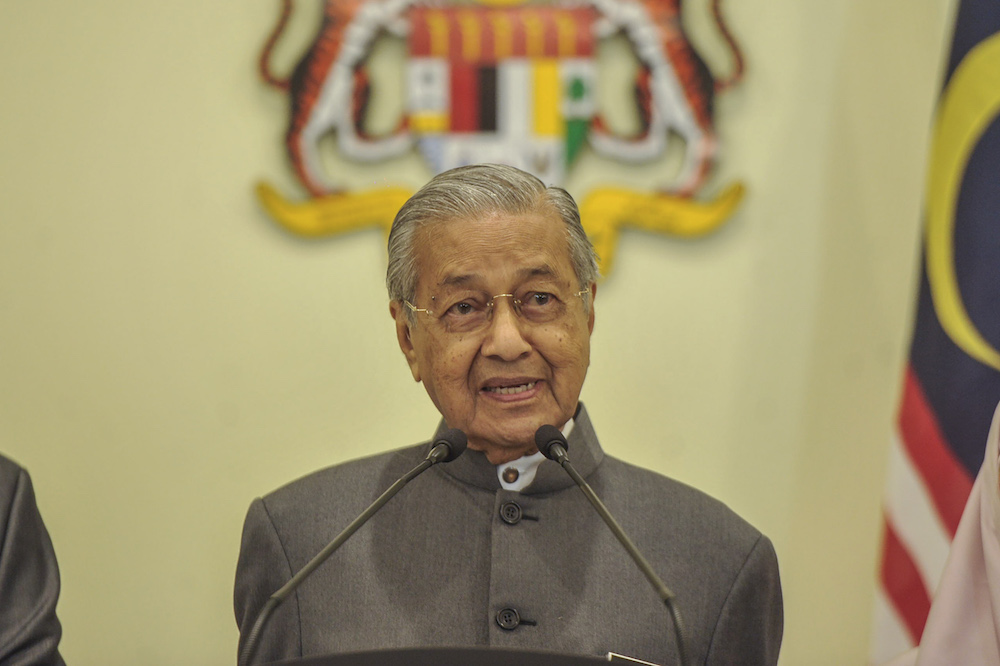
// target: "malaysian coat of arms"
[[505, 81]]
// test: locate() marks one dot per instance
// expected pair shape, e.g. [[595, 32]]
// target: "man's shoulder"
[[684, 506], [362, 479]]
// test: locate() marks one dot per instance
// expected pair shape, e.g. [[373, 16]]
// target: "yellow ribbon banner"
[[605, 211], [334, 213]]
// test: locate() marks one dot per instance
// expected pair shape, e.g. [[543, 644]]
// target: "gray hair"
[[474, 191]]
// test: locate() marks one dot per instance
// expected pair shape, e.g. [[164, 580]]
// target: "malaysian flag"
[[951, 384]]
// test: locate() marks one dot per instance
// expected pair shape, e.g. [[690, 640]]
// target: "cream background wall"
[[167, 353]]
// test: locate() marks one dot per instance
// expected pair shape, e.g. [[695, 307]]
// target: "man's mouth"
[[510, 390]]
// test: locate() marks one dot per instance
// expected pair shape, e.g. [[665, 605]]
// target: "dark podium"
[[445, 657]]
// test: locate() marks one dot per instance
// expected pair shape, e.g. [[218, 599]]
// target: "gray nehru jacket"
[[454, 560]]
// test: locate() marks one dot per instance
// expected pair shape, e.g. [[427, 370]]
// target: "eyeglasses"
[[469, 314]]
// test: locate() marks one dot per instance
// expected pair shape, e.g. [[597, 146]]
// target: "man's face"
[[512, 373]]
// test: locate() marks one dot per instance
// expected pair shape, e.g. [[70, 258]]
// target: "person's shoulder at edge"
[[9, 471], [30, 631]]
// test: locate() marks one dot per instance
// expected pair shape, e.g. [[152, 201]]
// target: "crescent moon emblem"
[[969, 104]]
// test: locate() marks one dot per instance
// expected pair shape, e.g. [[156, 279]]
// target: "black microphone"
[[448, 446], [553, 446]]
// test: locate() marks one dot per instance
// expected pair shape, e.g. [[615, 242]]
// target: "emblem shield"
[[515, 86]]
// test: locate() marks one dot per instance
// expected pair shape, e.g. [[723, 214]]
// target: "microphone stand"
[[552, 445]]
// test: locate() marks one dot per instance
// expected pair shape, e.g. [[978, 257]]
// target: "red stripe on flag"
[[903, 584], [946, 480]]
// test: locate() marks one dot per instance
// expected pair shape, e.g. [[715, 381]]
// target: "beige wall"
[[167, 354]]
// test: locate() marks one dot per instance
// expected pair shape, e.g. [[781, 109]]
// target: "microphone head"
[[456, 442], [546, 437]]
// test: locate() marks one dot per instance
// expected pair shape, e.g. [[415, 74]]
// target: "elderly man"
[[492, 283]]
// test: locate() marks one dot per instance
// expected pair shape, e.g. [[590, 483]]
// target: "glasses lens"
[[540, 307], [465, 315]]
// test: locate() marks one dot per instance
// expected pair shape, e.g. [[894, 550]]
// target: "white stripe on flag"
[[890, 637], [910, 510]]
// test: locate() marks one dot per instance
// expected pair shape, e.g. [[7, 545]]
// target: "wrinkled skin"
[[498, 254]]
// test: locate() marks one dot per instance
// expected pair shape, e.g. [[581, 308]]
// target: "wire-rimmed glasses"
[[469, 313]]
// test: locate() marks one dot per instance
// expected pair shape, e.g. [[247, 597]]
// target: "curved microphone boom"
[[448, 446], [553, 446]]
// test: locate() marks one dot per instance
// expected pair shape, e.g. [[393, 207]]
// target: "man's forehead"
[[471, 279]]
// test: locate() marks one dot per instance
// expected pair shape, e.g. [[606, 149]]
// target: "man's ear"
[[399, 314], [590, 317]]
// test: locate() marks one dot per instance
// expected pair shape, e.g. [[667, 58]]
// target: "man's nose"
[[505, 337]]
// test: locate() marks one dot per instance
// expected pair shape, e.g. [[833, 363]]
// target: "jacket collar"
[[584, 452]]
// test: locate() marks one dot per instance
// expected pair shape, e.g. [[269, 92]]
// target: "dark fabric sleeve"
[[262, 569], [752, 619], [29, 577]]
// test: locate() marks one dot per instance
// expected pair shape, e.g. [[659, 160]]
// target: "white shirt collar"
[[526, 466]]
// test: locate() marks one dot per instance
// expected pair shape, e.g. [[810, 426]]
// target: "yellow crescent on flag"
[[969, 104]]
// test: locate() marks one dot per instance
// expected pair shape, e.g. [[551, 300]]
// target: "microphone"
[[553, 446], [448, 446]]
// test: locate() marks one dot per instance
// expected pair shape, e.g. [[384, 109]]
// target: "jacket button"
[[510, 513], [508, 619]]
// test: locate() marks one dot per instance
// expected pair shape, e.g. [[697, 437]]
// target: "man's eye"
[[539, 298], [463, 308]]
